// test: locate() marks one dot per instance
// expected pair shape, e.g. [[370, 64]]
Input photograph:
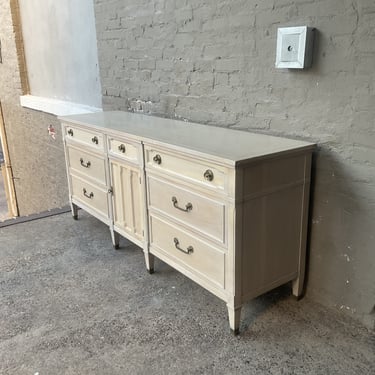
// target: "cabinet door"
[[127, 199]]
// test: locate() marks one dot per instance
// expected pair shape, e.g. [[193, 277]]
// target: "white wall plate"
[[294, 47]]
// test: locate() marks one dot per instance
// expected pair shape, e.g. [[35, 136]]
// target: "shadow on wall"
[[339, 251]]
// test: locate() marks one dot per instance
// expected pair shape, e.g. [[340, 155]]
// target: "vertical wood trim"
[[17, 28], [8, 174], [298, 284], [131, 196]]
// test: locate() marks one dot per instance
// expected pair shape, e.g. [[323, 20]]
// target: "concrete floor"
[[70, 304]]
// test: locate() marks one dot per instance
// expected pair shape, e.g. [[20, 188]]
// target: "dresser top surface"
[[232, 145]]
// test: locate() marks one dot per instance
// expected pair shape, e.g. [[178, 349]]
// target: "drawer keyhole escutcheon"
[[95, 140], [208, 175], [122, 148], [70, 132], [85, 165], [189, 249], [157, 159], [90, 196], [188, 206]]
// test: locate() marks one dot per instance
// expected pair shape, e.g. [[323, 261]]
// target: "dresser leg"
[[115, 239], [150, 259], [297, 287], [74, 208], [298, 283], [234, 314]]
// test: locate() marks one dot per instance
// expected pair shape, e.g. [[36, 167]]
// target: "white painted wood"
[[206, 261], [298, 283], [115, 236], [95, 176], [247, 227], [234, 315], [186, 167], [193, 210], [90, 195], [84, 137], [87, 164], [123, 149], [128, 206], [224, 145]]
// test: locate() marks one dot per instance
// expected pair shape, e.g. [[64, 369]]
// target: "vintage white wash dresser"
[[226, 208]]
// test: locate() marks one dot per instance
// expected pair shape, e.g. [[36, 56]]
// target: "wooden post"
[[7, 171]]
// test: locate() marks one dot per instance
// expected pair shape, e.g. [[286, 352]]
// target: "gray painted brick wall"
[[212, 61]]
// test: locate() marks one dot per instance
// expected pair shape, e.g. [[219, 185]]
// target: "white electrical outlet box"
[[294, 47]]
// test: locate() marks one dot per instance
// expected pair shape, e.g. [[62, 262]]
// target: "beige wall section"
[[37, 160], [212, 61]]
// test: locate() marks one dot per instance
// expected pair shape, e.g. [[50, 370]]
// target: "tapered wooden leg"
[[234, 314], [299, 281], [297, 287], [150, 259], [115, 239], [74, 208]]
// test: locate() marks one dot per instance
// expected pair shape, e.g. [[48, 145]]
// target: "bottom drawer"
[[93, 197], [191, 253]]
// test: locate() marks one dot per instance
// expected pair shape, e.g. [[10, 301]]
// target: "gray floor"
[[70, 304]]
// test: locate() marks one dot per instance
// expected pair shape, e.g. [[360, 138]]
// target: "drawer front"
[[194, 210], [91, 196], [187, 168], [191, 253], [124, 150], [93, 139], [87, 164]]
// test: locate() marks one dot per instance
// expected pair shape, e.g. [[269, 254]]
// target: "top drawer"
[[188, 168], [90, 138], [124, 149]]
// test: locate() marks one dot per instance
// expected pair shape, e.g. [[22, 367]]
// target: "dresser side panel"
[[271, 223]]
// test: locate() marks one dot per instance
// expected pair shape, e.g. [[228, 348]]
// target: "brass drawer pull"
[[95, 140], [157, 159], [70, 132], [90, 196], [86, 165], [189, 250], [208, 175], [188, 206], [122, 148]]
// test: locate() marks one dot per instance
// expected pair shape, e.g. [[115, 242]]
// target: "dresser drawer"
[[187, 167], [85, 163], [124, 150], [191, 253], [201, 213], [93, 139], [90, 195]]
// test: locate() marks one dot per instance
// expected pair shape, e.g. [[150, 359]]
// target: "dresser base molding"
[[227, 209]]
